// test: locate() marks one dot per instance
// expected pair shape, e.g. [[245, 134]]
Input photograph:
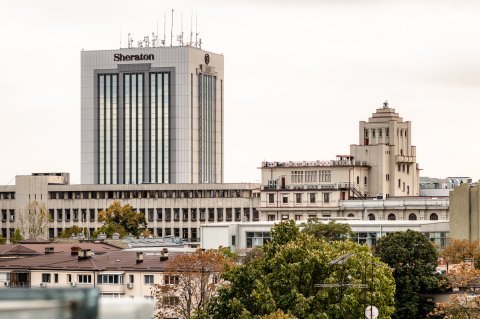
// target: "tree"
[[414, 259], [121, 219], [34, 221], [190, 281], [74, 230], [16, 236], [284, 279], [460, 249], [329, 231]]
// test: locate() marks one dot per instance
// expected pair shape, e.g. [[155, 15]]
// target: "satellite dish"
[[371, 312]]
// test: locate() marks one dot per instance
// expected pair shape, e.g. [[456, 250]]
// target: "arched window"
[[412, 216], [371, 217], [392, 217], [433, 216], [351, 215]]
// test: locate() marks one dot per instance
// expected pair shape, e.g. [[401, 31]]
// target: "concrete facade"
[[151, 115], [465, 212]]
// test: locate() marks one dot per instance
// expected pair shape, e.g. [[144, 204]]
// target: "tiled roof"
[[35, 249], [111, 261]]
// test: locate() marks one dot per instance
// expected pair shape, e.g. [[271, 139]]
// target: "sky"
[[299, 76]]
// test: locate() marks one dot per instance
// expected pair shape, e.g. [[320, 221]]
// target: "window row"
[[8, 215], [298, 198], [7, 195], [311, 176], [202, 214], [412, 216], [233, 193]]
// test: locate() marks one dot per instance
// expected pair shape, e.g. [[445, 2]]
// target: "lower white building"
[[240, 236]]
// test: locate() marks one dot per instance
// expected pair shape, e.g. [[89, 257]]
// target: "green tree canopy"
[[16, 236], [121, 219], [413, 258], [329, 231], [283, 280], [74, 230]]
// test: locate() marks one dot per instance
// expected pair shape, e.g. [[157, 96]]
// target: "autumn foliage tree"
[[34, 221], [121, 219], [190, 281], [461, 249], [462, 304]]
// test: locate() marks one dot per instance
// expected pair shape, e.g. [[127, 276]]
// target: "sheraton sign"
[[133, 57]]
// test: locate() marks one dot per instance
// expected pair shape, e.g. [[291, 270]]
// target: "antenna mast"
[[164, 30], [171, 31], [191, 28]]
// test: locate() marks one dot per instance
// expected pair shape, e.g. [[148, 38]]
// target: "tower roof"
[[385, 114]]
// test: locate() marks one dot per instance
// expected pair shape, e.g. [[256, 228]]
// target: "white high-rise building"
[[151, 115]]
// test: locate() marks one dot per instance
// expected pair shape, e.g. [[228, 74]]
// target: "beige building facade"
[[465, 212]]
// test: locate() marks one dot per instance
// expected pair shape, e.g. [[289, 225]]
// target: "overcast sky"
[[299, 75]]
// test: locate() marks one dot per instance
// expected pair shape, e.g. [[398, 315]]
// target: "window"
[[392, 217], [326, 198], [387, 177], [313, 198], [408, 190], [285, 217], [297, 177], [69, 278], [399, 167], [284, 198], [358, 179], [185, 214], [271, 198], [171, 279], [219, 214], [403, 168], [399, 183], [408, 169], [271, 218], [298, 217], [255, 239], [159, 214], [234, 240], [110, 279], [46, 277], [176, 214], [171, 300], [55, 278], [150, 214], [412, 216], [310, 176], [371, 217], [148, 279], [168, 214], [131, 279], [325, 176], [433, 216], [351, 215], [298, 198], [365, 180], [84, 279]]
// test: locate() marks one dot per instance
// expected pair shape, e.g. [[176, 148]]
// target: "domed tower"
[[385, 143]]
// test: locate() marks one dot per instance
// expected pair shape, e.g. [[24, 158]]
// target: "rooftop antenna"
[[130, 41], [146, 40], [120, 35], [180, 36], [140, 44], [164, 28], [191, 28], [154, 39], [196, 30], [171, 32]]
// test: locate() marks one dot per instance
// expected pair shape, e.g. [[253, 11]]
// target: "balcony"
[[404, 159]]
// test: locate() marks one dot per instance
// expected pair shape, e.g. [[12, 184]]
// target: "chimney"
[[139, 257], [84, 254], [164, 254], [49, 250]]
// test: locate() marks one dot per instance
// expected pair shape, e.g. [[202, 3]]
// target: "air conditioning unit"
[[130, 285], [7, 283], [72, 284], [43, 284]]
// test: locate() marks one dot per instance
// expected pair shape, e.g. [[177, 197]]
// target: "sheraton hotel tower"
[[151, 115]]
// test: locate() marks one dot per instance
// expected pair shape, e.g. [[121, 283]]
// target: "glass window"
[[254, 239], [46, 277], [84, 279], [171, 279], [298, 198], [271, 198], [313, 198], [326, 198], [433, 216], [412, 216], [392, 217], [148, 280]]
